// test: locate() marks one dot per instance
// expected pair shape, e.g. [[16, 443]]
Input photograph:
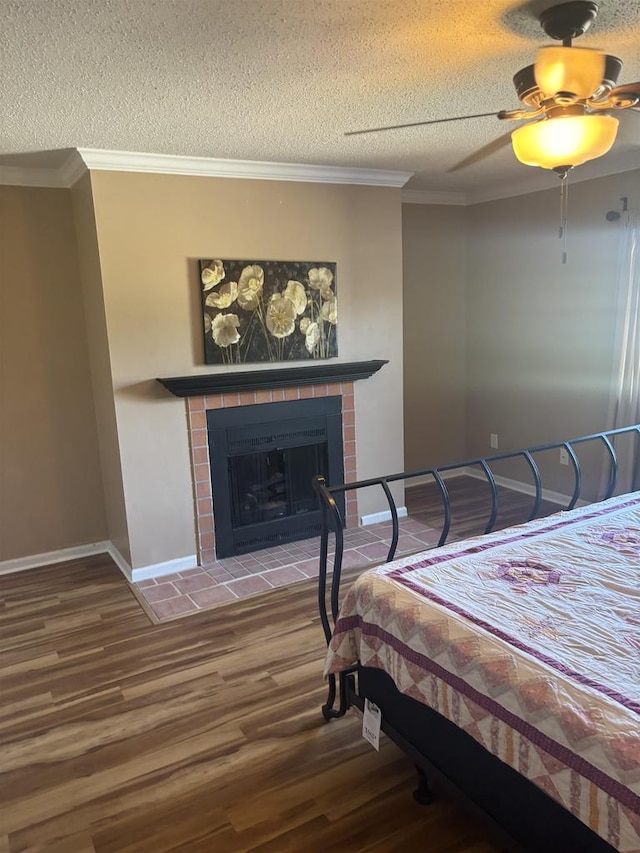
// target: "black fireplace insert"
[[263, 458]]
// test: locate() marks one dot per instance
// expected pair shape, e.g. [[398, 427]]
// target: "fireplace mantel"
[[278, 377]]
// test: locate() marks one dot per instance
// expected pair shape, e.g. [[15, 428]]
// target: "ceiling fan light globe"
[[564, 141], [576, 70]]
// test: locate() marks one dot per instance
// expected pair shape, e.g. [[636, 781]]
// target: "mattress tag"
[[371, 724]]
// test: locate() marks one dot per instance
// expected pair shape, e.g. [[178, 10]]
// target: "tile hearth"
[[234, 578]]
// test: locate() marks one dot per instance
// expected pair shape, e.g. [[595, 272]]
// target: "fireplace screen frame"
[[261, 428]]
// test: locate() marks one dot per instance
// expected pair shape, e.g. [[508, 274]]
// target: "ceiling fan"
[[567, 95]]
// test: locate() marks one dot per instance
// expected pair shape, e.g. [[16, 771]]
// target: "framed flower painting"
[[268, 310]]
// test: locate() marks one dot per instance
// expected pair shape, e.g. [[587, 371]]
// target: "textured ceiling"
[[282, 80]]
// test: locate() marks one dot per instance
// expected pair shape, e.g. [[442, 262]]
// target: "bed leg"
[[328, 711], [345, 681], [423, 794]]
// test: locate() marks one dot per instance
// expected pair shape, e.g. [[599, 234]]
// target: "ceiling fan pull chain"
[[564, 213]]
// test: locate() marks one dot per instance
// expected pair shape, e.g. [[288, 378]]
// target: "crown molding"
[[72, 169], [83, 159], [539, 183], [432, 197], [545, 180], [628, 162], [19, 176], [169, 164]]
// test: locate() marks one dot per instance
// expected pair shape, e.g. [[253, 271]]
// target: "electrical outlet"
[[493, 440], [564, 456]]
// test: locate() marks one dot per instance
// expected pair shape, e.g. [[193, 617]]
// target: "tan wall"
[[434, 272], [50, 483], [99, 361], [540, 332], [151, 230]]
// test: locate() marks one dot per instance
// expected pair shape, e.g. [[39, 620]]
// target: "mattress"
[[529, 640]]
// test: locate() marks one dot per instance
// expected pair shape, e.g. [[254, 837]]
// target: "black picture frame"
[[268, 311]]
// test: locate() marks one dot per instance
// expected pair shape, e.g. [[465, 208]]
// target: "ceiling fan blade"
[[630, 118], [417, 124], [629, 89], [486, 151]]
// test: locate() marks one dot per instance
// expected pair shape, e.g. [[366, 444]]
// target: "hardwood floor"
[[202, 734], [471, 506]]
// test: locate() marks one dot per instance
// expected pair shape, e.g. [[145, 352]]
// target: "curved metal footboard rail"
[[333, 522]]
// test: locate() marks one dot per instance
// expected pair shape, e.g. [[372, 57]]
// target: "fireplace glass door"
[[275, 483], [263, 460]]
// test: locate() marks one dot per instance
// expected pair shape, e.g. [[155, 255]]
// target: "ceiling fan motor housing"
[[569, 20], [526, 87], [612, 69], [529, 94]]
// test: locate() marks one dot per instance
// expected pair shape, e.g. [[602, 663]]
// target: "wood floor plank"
[[471, 506], [201, 735]]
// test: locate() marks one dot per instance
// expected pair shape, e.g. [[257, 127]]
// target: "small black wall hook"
[[614, 215]]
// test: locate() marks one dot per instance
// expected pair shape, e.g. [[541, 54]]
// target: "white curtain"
[[624, 403]]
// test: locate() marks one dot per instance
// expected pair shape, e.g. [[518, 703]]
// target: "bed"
[[508, 663]]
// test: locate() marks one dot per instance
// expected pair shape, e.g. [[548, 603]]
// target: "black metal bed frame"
[[404, 723]]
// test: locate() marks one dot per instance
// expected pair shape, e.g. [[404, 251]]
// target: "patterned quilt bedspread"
[[529, 640]]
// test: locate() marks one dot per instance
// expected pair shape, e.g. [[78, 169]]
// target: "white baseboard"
[[119, 560], [378, 517], [526, 488], [514, 485], [48, 558], [157, 570], [428, 478]]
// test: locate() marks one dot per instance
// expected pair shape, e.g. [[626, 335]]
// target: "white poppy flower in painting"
[[296, 293], [212, 274], [320, 277], [250, 286], [304, 325], [329, 312], [312, 337], [207, 323], [224, 329], [224, 296], [281, 317], [327, 294]]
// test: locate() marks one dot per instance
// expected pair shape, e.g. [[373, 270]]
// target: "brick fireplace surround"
[[220, 581], [197, 407]]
